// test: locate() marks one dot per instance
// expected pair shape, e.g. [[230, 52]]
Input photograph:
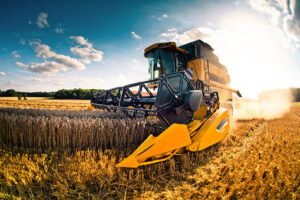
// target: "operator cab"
[[165, 58]]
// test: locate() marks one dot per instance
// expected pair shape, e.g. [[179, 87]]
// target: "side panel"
[[216, 73], [197, 66], [212, 131]]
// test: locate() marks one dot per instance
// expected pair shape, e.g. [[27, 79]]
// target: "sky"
[[50, 45]]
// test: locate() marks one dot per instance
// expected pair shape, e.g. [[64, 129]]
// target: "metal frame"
[[125, 99], [168, 103]]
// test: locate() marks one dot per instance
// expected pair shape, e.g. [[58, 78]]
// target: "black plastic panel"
[[170, 104]]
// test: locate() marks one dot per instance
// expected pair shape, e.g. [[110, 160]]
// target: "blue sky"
[[50, 45]]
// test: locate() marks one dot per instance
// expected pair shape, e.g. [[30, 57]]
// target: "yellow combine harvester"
[[188, 91]]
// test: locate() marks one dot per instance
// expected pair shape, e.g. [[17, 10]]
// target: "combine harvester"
[[187, 91]]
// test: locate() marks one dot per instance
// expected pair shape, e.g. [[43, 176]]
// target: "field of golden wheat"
[[69, 154], [44, 103]]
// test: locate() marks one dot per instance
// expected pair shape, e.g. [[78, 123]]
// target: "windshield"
[[168, 61], [154, 65], [161, 61]]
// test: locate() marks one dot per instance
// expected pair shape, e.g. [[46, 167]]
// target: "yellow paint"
[[208, 133], [90, 107], [201, 112], [168, 45], [199, 65], [164, 145], [177, 138]]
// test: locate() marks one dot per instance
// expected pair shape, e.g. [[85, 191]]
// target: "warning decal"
[[189, 73]]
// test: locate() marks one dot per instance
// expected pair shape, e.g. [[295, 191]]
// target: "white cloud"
[[168, 34], [91, 82], [136, 36], [58, 62], [58, 82], [35, 79], [282, 4], [268, 7], [164, 16], [15, 54], [2, 73], [88, 54], [47, 67], [188, 36], [54, 62], [82, 41], [46, 80], [86, 50], [278, 10], [172, 29], [42, 20], [59, 29], [22, 41], [43, 50], [64, 62], [22, 65], [292, 22]]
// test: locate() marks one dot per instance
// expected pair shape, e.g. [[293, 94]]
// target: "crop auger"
[[187, 92]]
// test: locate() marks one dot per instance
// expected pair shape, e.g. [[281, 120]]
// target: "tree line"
[[296, 94], [76, 93]]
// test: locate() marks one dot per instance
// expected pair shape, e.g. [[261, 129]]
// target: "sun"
[[255, 52]]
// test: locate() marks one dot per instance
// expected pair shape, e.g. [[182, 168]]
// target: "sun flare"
[[254, 52]]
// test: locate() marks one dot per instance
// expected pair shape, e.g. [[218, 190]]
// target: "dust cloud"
[[271, 104]]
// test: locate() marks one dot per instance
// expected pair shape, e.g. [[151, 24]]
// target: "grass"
[[259, 159]]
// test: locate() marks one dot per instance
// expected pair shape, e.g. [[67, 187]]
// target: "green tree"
[[10, 93], [73, 94], [25, 96]]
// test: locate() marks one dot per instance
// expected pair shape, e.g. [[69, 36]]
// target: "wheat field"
[[44, 103], [69, 154]]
